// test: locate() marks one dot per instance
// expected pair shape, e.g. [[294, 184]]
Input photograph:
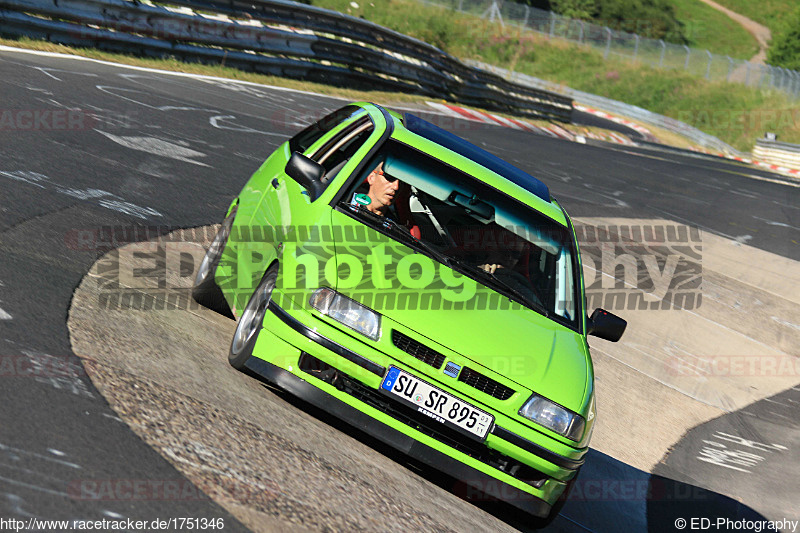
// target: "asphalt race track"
[[88, 145]]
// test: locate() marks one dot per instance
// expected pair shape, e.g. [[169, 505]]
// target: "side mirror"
[[605, 325], [308, 173]]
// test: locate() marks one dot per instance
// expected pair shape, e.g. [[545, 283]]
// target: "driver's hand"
[[490, 268]]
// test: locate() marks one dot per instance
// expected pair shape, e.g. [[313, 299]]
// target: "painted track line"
[[552, 130]]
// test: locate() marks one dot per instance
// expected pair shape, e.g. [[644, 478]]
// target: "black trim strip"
[[398, 440], [539, 451], [336, 348], [357, 172]]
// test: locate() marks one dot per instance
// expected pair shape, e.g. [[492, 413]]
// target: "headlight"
[[346, 311], [554, 417]]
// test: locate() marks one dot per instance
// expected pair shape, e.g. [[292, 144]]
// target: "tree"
[[655, 19], [784, 50], [575, 9]]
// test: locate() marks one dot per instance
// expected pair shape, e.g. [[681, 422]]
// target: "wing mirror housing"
[[308, 173], [605, 325]]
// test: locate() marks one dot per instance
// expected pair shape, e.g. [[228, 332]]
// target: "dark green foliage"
[[655, 19], [576, 9], [784, 50], [649, 18]]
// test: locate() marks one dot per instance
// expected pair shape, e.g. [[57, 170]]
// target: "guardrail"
[[331, 47], [778, 153]]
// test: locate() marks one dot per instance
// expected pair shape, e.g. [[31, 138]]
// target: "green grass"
[[736, 114], [714, 31], [770, 13]]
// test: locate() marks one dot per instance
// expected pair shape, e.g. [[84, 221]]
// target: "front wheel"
[[244, 338], [205, 291]]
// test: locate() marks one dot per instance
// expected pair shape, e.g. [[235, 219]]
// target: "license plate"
[[436, 403]]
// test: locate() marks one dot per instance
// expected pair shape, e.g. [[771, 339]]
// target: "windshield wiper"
[[398, 229], [509, 290]]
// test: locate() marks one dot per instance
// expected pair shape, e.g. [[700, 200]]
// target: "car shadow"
[[608, 496]]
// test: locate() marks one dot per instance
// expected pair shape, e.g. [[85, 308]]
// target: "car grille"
[[417, 349], [485, 384]]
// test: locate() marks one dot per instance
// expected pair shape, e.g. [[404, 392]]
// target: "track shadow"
[[673, 503], [608, 496]]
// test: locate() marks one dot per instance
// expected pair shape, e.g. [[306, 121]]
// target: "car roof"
[[481, 164], [461, 146]]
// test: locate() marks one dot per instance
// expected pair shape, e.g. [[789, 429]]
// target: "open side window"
[[314, 132], [335, 153]]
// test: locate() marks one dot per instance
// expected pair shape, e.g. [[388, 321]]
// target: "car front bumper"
[[285, 343]]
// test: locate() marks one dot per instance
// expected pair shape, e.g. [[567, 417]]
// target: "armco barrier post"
[[708, 66], [608, 43], [663, 51]]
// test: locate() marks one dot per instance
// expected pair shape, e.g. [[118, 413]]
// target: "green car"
[[421, 289]]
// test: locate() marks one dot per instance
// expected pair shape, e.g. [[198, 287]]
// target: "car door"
[[305, 244]]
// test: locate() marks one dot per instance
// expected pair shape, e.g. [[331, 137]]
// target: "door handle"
[[275, 182]]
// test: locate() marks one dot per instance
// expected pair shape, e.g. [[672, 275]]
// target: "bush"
[[784, 50], [655, 19]]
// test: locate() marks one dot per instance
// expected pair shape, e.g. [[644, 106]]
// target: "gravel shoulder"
[[268, 460]]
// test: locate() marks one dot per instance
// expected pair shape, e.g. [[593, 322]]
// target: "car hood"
[[519, 344]]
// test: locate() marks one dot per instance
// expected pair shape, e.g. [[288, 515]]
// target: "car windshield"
[[469, 226]]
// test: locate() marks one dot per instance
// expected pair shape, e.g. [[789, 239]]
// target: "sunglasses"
[[390, 179]]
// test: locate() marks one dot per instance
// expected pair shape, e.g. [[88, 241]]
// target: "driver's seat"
[[406, 218]]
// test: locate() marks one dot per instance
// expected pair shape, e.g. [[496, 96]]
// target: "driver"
[[382, 191]]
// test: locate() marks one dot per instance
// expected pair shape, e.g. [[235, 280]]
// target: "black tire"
[[205, 291], [244, 338]]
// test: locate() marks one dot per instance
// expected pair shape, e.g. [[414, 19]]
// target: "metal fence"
[[629, 46]]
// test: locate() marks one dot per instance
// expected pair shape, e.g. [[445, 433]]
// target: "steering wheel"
[[520, 283]]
